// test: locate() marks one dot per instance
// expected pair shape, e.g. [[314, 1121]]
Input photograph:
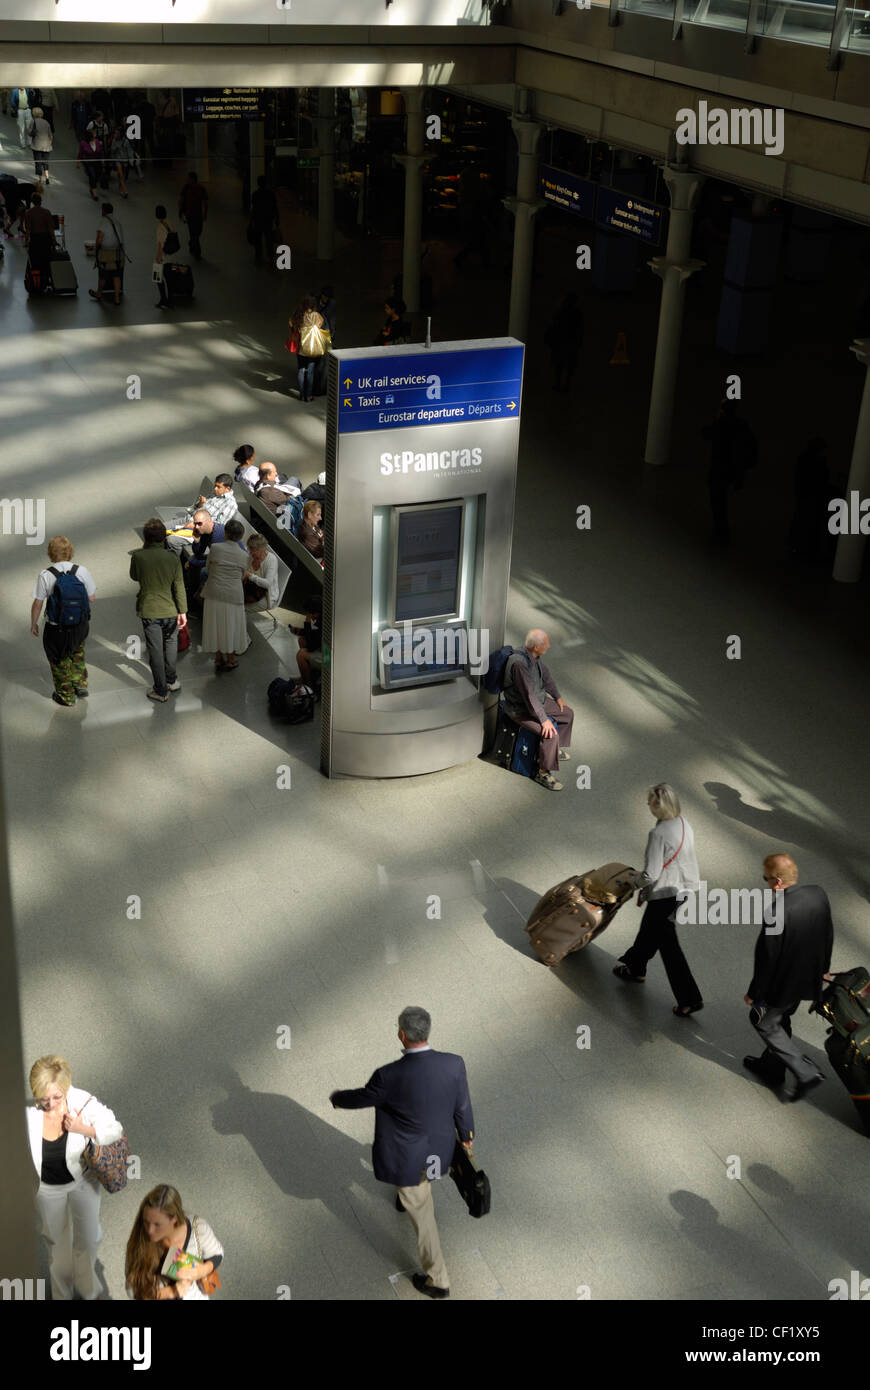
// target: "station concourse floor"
[[306, 908]]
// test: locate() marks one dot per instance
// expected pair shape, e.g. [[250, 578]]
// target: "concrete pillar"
[[200, 150], [524, 206], [412, 162], [257, 138], [326, 174], [850, 549], [674, 269]]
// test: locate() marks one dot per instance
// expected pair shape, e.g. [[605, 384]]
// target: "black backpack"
[[293, 702], [172, 242], [68, 601]]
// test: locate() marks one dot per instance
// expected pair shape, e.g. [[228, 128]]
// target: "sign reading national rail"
[[430, 388], [625, 212], [568, 191], [225, 103]]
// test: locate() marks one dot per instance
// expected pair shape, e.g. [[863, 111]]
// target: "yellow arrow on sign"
[[512, 405], [347, 383], [347, 401]]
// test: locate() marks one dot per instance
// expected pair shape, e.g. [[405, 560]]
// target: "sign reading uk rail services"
[[430, 387]]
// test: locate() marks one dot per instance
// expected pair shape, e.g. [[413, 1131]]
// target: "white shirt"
[[46, 581], [250, 476], [267, 576], [111, 237], [108, 1130], [682, 873]]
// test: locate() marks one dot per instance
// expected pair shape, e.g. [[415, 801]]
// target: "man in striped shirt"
[[222, 505]]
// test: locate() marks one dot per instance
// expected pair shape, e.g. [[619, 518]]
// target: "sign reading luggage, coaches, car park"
[[225, 103]]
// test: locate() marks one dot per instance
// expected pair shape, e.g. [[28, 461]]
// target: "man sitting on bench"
[[532, 700]]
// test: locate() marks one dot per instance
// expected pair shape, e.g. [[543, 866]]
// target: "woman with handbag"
[[312, 341], [168, 244], [670, 869], [161, 1226], [62, 1128]]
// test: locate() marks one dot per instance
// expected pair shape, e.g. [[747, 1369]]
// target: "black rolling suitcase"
[[845, 1004], [178, 280]]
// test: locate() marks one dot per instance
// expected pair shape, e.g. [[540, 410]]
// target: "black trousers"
[[658, 932]]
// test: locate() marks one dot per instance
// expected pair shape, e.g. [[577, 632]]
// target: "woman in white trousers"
[[60, 1126]]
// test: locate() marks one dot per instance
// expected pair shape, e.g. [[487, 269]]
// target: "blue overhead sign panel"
[[429, 388], [625, 212], [568, 191]]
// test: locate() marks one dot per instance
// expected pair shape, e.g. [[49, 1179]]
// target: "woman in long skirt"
[[224, 630]]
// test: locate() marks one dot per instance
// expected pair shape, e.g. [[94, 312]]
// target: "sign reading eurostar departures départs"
[[430, 388]]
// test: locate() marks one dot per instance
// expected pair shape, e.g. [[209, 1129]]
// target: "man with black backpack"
[[67, 590]]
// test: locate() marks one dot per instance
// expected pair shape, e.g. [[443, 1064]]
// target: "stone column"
[[674, 269], [200, 150], [412, 162], [326, 174], [524, 206], [850, 549]]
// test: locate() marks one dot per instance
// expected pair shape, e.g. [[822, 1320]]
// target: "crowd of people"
[[205, 562]]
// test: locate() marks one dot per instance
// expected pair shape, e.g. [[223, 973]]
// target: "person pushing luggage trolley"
[[670, 869]]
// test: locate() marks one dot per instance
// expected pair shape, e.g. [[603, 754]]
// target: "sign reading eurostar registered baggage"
[[430, 388]]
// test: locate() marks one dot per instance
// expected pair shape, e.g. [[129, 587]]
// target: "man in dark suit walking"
[[421, 1103], [789, 966]]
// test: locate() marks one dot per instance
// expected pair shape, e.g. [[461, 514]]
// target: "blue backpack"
[[493, 681], [292, 515], [68, 601]]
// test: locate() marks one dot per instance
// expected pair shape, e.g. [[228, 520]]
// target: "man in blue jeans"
[[161, 604]]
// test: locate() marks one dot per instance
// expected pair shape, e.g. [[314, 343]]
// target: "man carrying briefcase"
[[421, 1104]]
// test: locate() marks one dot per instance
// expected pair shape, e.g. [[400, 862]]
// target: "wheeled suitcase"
[[573, 913], [178, 280], [505, 740], [845, 1005], [62, 273], [36, 278], [525, 754]]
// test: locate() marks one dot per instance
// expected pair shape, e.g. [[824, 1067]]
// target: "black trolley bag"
[[178, 280], [845, 1005]]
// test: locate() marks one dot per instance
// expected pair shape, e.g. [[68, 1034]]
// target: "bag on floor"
[[525, 754], [68, 603], [845, 1005], [62, 273], [565, 920], [178, 280], [35, 278], [505, 740], [472, 1182], [294, 702]]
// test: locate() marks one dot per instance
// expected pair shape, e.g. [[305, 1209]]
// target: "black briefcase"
[[472, 1182]]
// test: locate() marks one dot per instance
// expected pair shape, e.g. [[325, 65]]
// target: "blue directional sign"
[[568, 191], [431, 388], [625, 212]]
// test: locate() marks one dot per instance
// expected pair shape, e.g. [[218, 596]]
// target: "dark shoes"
[[622, 972], [760, 1067], [422, 1285], [803, 1087], [684, 1010]]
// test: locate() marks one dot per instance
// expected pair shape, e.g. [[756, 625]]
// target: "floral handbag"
[[108, 1162]]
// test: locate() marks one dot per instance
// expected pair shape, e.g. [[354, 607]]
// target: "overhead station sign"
[[625, 212], [429, 388], [225, 103], [568, 191]]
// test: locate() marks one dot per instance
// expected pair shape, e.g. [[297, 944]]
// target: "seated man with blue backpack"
[[532, 700], [67, 590]]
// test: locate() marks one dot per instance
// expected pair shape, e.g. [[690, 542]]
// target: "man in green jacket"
[[161, 604]]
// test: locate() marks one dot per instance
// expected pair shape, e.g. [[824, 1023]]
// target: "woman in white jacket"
[[261, 585], [670, 869], [60, 1126]]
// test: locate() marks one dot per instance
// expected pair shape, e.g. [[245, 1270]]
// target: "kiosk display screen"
[[428, 561]]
